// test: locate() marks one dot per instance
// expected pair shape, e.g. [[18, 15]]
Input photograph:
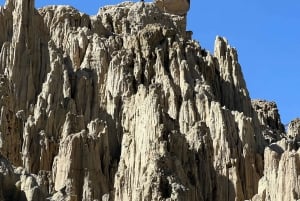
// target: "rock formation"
[[281, 169], [123, 105], [177, 7], [269, 119]]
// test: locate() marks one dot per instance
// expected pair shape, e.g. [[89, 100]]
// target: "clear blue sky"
[[266, 34]]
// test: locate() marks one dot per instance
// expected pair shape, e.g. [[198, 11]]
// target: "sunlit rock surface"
[[123, 105]]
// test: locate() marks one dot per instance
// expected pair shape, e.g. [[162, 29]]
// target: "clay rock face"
[[177, 7], [269, 120], [124, 106], [11, 124], [281, 173], [281, 168], [87, 177], [293, 131]]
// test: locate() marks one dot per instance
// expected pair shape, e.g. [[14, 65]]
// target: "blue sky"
[[266, 34]]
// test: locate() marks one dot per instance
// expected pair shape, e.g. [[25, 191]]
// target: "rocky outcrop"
[[281, 163], [177, 7], [293, 132], [269, 119], [281, 173], [123, 105]]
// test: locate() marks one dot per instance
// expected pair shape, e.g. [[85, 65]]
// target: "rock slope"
[[123, 105]]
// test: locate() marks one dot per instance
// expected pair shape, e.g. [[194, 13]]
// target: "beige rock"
[[86, 177], [293, 131], [269, 120], [11, 124], [123, 105], [281, 174], [281, 169], [177, 7]]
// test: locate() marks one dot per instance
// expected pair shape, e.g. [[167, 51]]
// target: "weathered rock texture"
[[177, 7], [269, 119], [124, 106], [281, 158]]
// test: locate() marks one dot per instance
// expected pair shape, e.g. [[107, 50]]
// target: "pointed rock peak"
[[221, 44], [221, 39]]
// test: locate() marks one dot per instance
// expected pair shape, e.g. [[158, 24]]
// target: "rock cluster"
[[123, 105], [269, 119]]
